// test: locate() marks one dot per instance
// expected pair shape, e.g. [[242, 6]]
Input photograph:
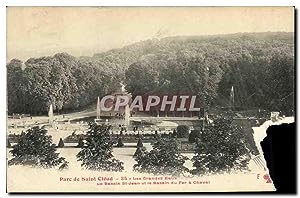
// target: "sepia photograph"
[[149, 99]]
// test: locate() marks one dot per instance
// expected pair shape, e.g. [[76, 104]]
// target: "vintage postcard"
[[145, 99]]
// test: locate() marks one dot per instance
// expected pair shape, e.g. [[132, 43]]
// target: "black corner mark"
[[279, 149]]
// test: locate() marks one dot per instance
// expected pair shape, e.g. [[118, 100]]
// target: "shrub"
[[139, 152], [80, 143], [120, 143], [60, 143], [182, 131], [140, 143], [193, 135], [8, 144]]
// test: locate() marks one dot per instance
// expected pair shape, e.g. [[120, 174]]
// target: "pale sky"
[[83, 31]]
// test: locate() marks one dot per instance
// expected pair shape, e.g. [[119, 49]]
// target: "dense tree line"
[[63, 80], [260, 66]]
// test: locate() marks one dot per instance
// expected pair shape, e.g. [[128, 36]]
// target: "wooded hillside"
[[260, 66]]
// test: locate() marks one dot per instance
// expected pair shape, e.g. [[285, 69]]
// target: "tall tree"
[[221, 147], [16, 87], [163, 159], [97, 152], [34, 147]]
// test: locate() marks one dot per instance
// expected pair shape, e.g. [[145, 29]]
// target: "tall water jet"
[[127, 115], [98, 109], [50, 114]]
